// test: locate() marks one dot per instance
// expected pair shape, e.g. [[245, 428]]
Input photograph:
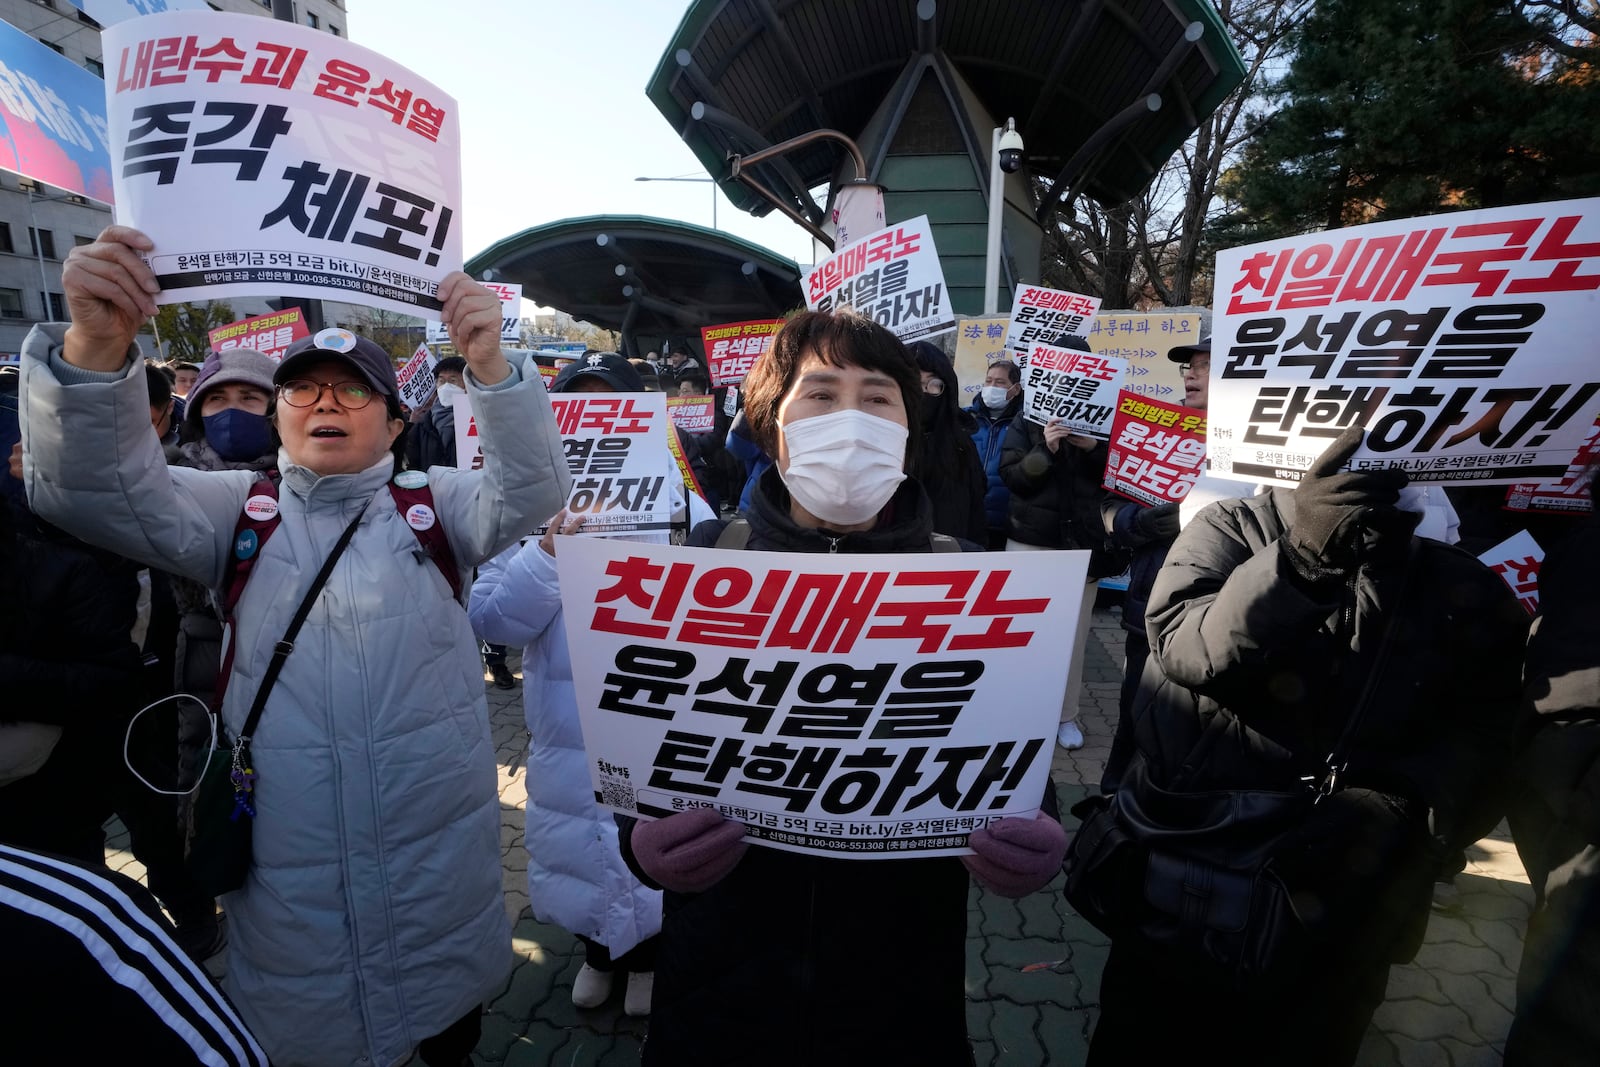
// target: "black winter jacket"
[[796, 960], [1277, 665], [1055, 496]]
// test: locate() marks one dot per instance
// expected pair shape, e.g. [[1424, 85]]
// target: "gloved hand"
[[1159, 523], [1017, 856], [1332, 509], [691, 851]]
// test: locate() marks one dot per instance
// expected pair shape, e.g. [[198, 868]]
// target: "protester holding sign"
[[781, 958], [1326, 713], [576, 876], [371, 918], [1054, 476], [1555, 812], [1148, 530]]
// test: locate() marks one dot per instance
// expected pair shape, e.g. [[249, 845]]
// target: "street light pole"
[[713, 191]]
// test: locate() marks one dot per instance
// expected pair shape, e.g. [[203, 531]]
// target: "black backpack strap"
[[735, 535]]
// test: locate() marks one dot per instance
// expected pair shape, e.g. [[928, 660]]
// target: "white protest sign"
[[469, 447], [693, 414], [1518, 560], [856, 706], [111, 12], [416, 377], [265, 158], [1077, 388], [510, 315], [1042, 316], [1461, 342], [892, 277], [616, 450]]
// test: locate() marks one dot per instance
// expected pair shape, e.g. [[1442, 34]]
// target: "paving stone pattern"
[[1033, 965]]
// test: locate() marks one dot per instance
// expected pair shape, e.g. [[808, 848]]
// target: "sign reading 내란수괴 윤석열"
[[265, 158]]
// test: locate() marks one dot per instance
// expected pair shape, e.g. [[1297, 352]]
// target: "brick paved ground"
[[1033, 972]]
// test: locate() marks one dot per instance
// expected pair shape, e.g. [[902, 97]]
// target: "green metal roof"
[[642, 275], [739, 75]]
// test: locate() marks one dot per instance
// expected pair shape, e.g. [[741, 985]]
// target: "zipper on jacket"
[[833, 544]]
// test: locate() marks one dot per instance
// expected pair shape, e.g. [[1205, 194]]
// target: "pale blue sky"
[[555, 122]]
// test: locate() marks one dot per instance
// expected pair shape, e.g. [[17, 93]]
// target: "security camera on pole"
[[1005, 155]]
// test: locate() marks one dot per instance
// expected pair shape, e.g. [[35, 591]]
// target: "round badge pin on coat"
[[411, 479]]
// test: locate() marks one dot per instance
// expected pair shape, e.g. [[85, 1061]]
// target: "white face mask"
[[844, 467], [448, 393], [994, 396]]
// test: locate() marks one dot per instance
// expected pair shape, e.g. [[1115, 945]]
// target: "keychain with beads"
[[243, 777]]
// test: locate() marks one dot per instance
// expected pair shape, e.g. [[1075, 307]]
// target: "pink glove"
[[691, 851], [1017, 856]]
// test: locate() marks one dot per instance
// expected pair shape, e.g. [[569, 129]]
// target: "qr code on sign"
[[1219, 456], [615, 794]]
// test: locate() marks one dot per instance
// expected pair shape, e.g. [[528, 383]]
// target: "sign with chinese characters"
[[979, 342], [1158, 450], [732, 348], [855, 706], [1076, 388], [1460, 342], [892, 277], [265, 158], [270, 334]]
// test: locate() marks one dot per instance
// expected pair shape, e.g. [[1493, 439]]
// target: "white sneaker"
[[591, 988], [1069, 736], [640, 988]]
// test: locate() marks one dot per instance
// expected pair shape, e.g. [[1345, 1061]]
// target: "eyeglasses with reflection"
[[1202, 366], [303, 393], [933, 387]]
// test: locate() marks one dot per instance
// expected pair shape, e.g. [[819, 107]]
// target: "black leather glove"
[[1334, 509], [1159, 523]]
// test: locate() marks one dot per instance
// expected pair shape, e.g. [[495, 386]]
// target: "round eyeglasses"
[[303, 393], [933, 387]]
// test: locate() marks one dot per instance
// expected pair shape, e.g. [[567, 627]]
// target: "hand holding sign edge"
[[110, 291], [471, 313]]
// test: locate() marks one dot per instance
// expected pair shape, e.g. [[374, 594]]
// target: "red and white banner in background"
[[692, 414], [510, 295], [268, 334], [1461, 342], [892, 277], [1043, 316], [732, 348], [876, 706], [416, 377], [1158, 450], [1518, 559], [266, 158], [1072, 387], [1571, 492]]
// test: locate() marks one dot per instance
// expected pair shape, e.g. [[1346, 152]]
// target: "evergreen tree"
[[1395, 108]]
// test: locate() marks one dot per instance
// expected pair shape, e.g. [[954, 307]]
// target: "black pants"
[[1122, 744], [493, 655], [1151, 1015], [637, 960], [452, 1046]]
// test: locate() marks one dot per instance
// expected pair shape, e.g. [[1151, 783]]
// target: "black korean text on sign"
[[330, 213], [159, 136]]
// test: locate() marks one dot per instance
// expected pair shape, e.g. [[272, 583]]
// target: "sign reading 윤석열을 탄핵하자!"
[[264, 157], [1460, 342], [892, 277], [856, 706]]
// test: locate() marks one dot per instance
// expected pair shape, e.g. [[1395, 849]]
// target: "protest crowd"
[[800, 623]]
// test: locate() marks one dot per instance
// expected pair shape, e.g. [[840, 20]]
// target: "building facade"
[[40, 224]]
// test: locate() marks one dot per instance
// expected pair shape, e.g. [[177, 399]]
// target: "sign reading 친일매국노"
[[416, 377], [1458, 341], [1041, 316], [732, 348], [1518, 560], [1072, 387], [1157, 450], [263, 157], [892, 277], [269, 334], [855, 706]]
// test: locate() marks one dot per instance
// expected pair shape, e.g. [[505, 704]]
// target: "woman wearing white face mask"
[[788, 959], [431, 438]]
